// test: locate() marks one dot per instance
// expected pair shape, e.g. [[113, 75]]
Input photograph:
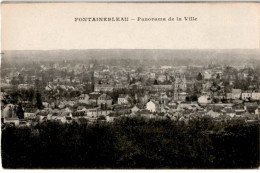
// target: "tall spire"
[[92, 81]]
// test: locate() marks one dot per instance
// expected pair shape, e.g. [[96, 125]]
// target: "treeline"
[[132, 143]]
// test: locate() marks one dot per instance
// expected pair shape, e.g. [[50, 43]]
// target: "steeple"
[[92, 81]]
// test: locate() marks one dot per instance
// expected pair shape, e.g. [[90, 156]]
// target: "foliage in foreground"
[[132, 143]]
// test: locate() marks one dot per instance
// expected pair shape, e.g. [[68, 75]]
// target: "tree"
[[139, 70], [19, 111], [194, 98], [37, 83], [21, 79], [218, 76], [196, 90], [39, 101], [14, 81], [155, 82], [133, 81], [215, 88], [199, 77]]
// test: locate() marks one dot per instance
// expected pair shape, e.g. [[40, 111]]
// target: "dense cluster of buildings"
[[91, 93]]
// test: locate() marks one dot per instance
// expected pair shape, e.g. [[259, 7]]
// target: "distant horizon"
[[148, 56], [251, 49]]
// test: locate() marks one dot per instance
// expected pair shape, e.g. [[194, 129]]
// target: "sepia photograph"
[[130, 85]]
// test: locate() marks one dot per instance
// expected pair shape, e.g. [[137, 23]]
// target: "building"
[[236, 93], [256, 95], [93, 97], [105, 100], [84, 98], [152, 106], [162, 78], [103, 88], [181, 96], [135, 109], [164, 98], [180, 86], [207, 75], [142, 98], [124, 99], [9, 115], [204, 99], [161, 88], [246, 95], [24, 86], [251, 107]]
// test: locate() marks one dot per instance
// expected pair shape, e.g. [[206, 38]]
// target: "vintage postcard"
[[130, 85]]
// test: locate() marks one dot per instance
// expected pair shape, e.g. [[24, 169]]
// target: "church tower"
[[92, 81]]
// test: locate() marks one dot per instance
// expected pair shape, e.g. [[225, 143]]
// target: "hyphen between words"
[[126, 19]]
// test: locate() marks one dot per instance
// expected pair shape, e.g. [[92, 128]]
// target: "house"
[[124, 99], [137, 85], [229, 96], [24, 86], [94, 113], [68, 119], [14, 121], [70, 102], [135, 109], [239, 112], [24, 123], [251, 107], [111, 117], [93, 97], [67, 110], [84, 98], [236, 93], [182, 96], [188, 106], [256, 95], [9, 111], [142, 98], [204, 100], [168, 115], [207, 75], [206, 93], [122, 110], [152, 106], [161, 88], [49, 87], [229, 111], [212, 114], [146, 114], [162, 78], [43, 118], [61, 118], [103, 88], [245, 115], [206, 86], [29, 115], [104, 99], [78, 114], [49, 116], [246, 95], [46, 104], [152, 75], [61, 105], [165, 109]]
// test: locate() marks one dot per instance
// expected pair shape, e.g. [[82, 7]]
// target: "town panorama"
[[105, 86]]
